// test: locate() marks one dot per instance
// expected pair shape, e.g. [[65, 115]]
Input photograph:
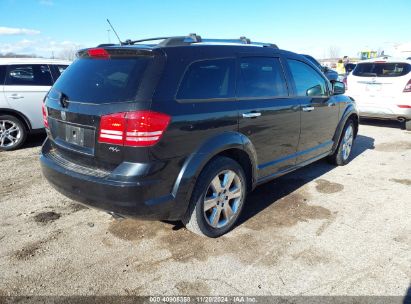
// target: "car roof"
[[4, 61]]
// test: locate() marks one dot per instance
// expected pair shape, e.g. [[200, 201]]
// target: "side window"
[[2, 74], [261, 77], [307, 81], [208, 79], [29, 74]]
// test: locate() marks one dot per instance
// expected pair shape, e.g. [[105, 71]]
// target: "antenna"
[[119, 40]]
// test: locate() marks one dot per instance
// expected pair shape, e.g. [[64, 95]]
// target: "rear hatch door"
[[100, 82], [379, 81]]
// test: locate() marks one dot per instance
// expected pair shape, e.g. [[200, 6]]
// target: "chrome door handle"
[[251, 115], [308, 109], [15, 96]]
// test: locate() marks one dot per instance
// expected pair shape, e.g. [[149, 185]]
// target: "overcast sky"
[[45, 26]]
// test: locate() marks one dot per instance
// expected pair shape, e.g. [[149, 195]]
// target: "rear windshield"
[[101, 80], [376, 69]]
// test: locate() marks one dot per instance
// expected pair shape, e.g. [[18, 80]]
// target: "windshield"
[[101, 80], [385, 69]]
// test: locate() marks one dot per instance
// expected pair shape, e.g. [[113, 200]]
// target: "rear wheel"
[[342, 154], [12, 133], [217, 199]]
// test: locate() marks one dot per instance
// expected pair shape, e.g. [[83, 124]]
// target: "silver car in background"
[[23, 84]]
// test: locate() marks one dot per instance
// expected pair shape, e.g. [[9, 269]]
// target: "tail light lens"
[[45, 114], [407, 88], [136, 129], [404, 106]]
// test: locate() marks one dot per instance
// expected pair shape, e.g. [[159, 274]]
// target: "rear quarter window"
[[386, 69], [208, 79]]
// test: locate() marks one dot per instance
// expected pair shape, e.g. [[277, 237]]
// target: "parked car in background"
[[24, 82], [161, 132], [329, 73], [382, 89]]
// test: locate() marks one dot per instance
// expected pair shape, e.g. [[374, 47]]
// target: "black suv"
[[184, 129]]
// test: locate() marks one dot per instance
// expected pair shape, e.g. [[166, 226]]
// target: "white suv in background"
[[382, 89], [23, 84]]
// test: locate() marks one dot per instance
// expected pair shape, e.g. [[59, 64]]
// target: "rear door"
[[25, 88], [269, 117], [319, 110]]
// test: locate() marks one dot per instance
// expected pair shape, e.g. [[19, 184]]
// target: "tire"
[[13, 133], [216, 219], [340, 157]]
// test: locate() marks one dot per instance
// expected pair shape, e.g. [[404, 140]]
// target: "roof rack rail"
[[194, 38]]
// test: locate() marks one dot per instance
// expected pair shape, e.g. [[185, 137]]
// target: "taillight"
[[137, 129], [407, 88], [98, 53], [112, 128], [45, 114], [404, 106]]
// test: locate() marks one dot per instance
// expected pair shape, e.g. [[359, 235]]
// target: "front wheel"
[[342, 154], [217, 199]]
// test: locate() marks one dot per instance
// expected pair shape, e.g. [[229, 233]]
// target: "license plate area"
[[74, 135]]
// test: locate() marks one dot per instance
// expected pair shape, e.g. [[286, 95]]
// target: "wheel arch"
[[19, 115], [229, 144], [349, 113]]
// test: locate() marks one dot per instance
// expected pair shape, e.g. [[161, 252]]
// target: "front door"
[[268, 116], [319, 111]]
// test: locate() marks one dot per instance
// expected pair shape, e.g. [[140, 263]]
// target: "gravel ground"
[[321, 230]]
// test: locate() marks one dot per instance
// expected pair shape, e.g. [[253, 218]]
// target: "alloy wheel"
[[10, 133], [223, 199], [347, 142]]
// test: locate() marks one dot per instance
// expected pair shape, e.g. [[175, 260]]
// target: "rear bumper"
[[137, 199], [383, 107], [387, 112]]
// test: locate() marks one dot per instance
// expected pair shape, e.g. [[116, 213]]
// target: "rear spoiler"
[[108, 52]]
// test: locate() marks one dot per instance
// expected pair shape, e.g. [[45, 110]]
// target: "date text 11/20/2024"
[[201, 299]]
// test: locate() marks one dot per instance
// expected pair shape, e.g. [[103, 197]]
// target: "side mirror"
[[338, 87]]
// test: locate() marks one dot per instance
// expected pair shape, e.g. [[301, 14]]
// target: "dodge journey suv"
[[184, 129]]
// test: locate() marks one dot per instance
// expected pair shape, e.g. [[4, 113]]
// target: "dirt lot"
[[319, 231]]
